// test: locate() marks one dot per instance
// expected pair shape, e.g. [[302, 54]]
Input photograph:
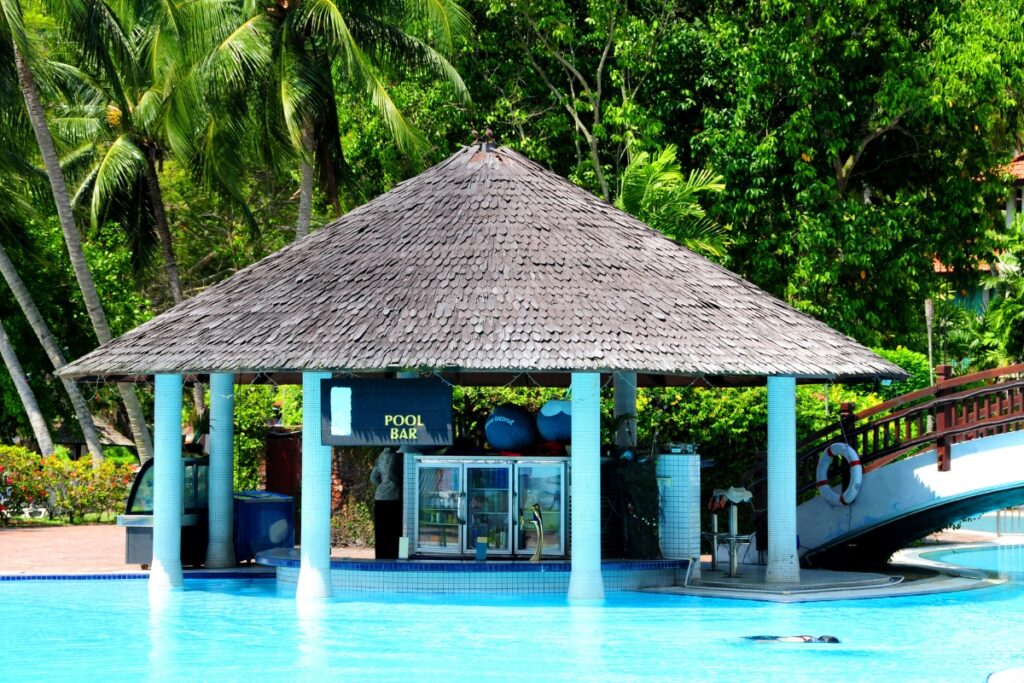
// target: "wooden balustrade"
[[954, 410]]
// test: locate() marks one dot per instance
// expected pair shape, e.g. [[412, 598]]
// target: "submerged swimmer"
[[796, 639]]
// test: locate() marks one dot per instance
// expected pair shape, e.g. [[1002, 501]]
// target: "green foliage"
[[916, 365], [21, 482], [352, 525], [352, 510], [290, 401], [76, 488], [67, 488], [857, 142], [655, 191], [254, 406], [730, 426], [120, 455]]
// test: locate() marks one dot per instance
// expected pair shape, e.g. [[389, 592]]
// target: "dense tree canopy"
[[849, 146]]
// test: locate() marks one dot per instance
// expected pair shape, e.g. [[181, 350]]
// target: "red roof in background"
[[940, 267], [1016, 168]]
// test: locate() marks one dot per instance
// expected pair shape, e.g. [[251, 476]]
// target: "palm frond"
[[120, 166], [242, 54], [401, 53], [149, 108], [447, 21]]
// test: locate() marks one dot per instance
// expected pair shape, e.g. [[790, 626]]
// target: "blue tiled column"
[[315, 551], [220, 550], [783, 563], [168, 484], [585, 581]]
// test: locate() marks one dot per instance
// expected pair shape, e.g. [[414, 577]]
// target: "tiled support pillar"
[[679, 489], [168, 484], [220, 550], [783, 564], [585, 581], [624, 392], [315, 551]]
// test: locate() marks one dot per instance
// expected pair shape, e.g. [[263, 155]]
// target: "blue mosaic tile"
[[200, 574], [73, 577]]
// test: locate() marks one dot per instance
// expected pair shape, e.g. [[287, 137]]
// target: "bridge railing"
[[955, 409]]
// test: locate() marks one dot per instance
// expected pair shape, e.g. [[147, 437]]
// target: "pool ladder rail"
[[1010, 521]]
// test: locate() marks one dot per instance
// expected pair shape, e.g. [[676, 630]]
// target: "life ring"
[[856, 474]]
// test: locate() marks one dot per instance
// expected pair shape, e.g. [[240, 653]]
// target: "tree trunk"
[[74, 244], [53, 352], [306, 187], [28, 399], [163, 231]]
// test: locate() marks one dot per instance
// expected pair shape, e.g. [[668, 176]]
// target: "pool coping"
[[948, 578], [290, 557], [229, 573]]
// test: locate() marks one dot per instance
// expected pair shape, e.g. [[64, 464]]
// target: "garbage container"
[[263, 520]]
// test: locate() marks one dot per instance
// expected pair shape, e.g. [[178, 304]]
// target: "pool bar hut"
[[485, 269]]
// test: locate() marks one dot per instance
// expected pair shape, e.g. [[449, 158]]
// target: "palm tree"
[[654, 190], [16, 183], [291, 51], [25, 393], [13, 29], [139, 69]]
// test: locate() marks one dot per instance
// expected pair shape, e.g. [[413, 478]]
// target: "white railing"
[[1010, 521]]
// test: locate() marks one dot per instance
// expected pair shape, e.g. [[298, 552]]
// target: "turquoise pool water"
[[239, 630], [1007, 560]]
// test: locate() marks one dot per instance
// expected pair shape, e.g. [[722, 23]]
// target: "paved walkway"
[[93, 548], [100, 548]]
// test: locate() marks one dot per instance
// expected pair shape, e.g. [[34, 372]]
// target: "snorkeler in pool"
[[795, 639]]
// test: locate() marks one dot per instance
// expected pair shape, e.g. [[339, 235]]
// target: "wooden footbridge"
[[930, 458]]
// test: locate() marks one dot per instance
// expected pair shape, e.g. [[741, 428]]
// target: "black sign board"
[[386, 412]]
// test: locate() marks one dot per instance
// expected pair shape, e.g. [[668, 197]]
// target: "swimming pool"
[[247, 630]]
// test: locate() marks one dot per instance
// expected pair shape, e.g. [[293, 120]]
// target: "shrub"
[[352, 525], [916, 365], [77, 488], [120, 455], [21, 481], [254, 406]]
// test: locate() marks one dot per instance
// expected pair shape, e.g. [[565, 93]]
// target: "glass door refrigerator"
[[459, 500], [488, 509], [439, 520], [541, 483]]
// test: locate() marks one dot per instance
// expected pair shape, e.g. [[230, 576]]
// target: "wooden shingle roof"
[[485, 266]]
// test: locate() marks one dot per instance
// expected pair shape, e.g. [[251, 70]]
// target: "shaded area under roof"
[[484, 268]]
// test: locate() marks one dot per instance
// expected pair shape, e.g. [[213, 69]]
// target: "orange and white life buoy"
[[856, 474]]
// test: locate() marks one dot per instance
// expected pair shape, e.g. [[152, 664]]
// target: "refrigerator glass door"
[[488, 499], [542, 484], [438, 520]]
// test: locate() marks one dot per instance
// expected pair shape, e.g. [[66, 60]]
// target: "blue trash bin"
[[263, 520]]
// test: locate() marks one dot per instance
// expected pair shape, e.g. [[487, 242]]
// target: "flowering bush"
[[66, 488], [78, 488], [21, 482]]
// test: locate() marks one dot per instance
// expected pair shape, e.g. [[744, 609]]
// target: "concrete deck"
[[86, 549], [99, 549], [818, 585]]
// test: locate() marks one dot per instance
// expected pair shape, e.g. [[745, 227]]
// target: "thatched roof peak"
[[483, 266]]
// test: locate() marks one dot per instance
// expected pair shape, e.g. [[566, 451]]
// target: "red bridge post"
[[944, 416]]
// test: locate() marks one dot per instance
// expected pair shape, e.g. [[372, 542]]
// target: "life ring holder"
[[847, 452]]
